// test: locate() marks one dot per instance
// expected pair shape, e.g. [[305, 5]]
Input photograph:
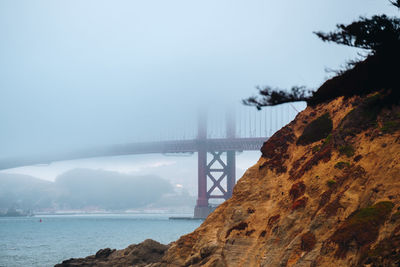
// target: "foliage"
[[316, 148], [341, 165], [347, 150], [331, 183], [275, 96], [385, 253], [362, 117], [396, 3], [380, 36], [377, 33], [327, 141], [395, 216], [390, 126], [362, 226], [318, 129]]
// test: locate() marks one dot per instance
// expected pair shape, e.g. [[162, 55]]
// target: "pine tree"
[[379, 36]]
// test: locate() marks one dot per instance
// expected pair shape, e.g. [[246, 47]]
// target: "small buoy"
[[40, 220]]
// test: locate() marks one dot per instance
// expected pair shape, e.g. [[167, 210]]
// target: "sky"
[[77, 74]]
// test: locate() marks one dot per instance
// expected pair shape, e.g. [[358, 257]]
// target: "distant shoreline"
[[95, 213]]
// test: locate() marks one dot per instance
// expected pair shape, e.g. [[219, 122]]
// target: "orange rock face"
[[295, 208]]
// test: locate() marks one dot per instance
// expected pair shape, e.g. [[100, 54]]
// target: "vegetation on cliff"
[[380, 37], [362, 226], [318, 129]]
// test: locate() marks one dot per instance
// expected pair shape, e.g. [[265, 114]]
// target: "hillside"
[[24, 192], [326, 192], [88, 190]]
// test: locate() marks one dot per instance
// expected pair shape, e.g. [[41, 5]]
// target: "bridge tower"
[[208, 171]]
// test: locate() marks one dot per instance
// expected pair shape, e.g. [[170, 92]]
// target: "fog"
[[81, 74], [91, 190]]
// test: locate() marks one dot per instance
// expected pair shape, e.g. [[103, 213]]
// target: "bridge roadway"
[[162, 147]]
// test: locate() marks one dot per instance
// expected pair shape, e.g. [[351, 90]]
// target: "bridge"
[[216, 156]]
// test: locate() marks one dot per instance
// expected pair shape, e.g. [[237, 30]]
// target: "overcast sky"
[[81, 73]]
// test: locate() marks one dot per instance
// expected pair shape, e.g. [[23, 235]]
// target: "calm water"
[[27, 242]]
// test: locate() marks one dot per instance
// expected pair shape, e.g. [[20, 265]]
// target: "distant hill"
[[86, 189], [26, 192]]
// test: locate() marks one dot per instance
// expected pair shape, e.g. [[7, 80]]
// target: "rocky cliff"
[[140, 255], [326, 192]]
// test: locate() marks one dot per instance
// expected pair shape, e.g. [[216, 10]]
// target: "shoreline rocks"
[[138, 255]]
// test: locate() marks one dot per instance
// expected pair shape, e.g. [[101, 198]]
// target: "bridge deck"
[[163, 147]]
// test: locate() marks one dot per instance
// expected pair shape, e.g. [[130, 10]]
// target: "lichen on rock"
[[362, 227]]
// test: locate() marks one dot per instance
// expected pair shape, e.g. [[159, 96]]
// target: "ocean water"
[[25, 241]]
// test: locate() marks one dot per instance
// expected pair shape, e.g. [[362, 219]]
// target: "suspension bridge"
[[216, 149]]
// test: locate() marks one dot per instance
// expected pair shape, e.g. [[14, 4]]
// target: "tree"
[[376, 34], [275, 96], [396, 3], [380, 36]]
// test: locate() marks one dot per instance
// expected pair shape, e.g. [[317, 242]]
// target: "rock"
[[146, 253], [104, 253]]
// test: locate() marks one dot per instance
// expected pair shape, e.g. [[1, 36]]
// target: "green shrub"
[[395, 216], [361, 117], [390, 126], [362, 226], [331, 183], [342, 164], [318, 129], [347, 150], [327, 140], [315, 149]]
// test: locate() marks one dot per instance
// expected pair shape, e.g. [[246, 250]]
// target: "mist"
[[102, 143], [76, 74], [91, 190]]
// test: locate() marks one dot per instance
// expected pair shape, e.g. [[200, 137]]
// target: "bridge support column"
[[216, 171], [231, 176], [202, 208], [231, 155]]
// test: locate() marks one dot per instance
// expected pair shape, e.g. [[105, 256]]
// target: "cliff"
[[326, 192], [140, 255]]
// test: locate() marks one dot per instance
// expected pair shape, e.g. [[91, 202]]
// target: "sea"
[[49, 239]]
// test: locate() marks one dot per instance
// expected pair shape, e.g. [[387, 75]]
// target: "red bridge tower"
[[207, 169]]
